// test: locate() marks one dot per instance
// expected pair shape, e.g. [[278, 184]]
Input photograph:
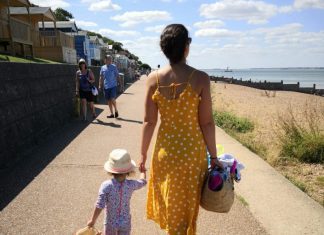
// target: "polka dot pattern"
[[178, 164]]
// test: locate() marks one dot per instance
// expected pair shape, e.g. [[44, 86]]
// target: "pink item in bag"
[[215, 182]]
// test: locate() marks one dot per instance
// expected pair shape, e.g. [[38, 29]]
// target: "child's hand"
[[90, 223], [143, 175]]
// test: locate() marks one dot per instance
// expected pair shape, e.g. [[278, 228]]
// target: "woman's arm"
[[92, 77], [206, 120], [150, 119], [77, 83]]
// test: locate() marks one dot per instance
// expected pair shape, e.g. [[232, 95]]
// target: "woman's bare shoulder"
[[201, 78], [152, 80]]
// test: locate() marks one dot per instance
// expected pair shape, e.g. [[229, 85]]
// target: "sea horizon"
[[306, 76]]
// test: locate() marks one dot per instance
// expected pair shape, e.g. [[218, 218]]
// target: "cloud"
[[81, 23], [147, 49], [121, 33], [254, 12], [302, 4], [209, 24], [131, 18], [283, 46], [216, 33], [156, 29], [51, 3], [103, 5]]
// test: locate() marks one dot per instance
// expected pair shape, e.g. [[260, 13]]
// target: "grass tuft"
[[302, 186], [242, 200], [302, 141], [229, 121], [8, 58]]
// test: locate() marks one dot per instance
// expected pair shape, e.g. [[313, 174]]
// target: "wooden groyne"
[[275, 86]]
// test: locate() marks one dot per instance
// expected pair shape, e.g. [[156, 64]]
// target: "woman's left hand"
[[141, 165]]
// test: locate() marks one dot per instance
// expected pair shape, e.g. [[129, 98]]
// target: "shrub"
[[229, 121], [302, 141]]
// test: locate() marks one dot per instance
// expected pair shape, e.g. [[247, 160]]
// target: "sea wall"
[[35, 100], [280, 86]]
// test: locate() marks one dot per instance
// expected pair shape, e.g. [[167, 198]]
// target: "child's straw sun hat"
[[119, 162]]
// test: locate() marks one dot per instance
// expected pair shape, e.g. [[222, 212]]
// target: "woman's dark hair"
[[173, 41], [82, 62]]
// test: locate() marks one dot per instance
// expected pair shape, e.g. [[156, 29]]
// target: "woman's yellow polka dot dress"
[[178, 164]]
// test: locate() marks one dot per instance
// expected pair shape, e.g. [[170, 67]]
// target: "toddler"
[[115, 194]]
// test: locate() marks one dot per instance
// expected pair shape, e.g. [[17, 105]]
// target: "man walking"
[[109, 74]]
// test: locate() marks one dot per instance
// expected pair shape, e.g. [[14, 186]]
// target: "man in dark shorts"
[[108, 78]]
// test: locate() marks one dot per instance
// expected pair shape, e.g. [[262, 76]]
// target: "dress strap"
[[157, 80]]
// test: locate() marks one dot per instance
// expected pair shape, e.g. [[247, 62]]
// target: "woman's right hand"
[[215, 162]]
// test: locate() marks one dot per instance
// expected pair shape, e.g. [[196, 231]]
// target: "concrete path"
[[54, 189]]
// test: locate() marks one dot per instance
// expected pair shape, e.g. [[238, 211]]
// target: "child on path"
[[115, 194]]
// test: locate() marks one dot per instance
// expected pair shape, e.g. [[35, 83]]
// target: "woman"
[[84, 80], [182, 96]]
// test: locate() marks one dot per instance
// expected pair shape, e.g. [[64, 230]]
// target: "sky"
[[225, 33]]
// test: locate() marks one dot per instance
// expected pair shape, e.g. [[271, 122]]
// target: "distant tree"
[[145, 66], [62, 15], [108, 40], [118, 46], [94, 34]]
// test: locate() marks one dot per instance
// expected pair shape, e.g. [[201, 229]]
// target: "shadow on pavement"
[[111, 124], [129, 120], [13, 180]]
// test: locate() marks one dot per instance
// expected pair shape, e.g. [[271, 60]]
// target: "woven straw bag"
[[218, 201]]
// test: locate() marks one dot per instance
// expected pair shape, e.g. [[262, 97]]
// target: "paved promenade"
[[53, 192]]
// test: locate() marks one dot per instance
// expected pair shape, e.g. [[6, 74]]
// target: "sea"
[[305, 76]]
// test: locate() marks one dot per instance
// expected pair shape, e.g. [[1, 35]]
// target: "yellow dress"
[[179, 163]]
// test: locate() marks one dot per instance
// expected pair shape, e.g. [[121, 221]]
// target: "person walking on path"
[[84, 79], [115, 194], [108, 79], [182, 96]]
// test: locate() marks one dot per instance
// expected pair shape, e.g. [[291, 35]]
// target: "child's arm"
[[141, 182], [95, 215]]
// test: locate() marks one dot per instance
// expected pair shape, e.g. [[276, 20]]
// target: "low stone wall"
[[35, 100], [279, 86]]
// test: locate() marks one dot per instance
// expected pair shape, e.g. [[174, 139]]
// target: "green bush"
[[304, 147], [301, 141], [229, 121]]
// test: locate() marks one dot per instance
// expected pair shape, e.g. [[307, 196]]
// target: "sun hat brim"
[[115, 170]]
